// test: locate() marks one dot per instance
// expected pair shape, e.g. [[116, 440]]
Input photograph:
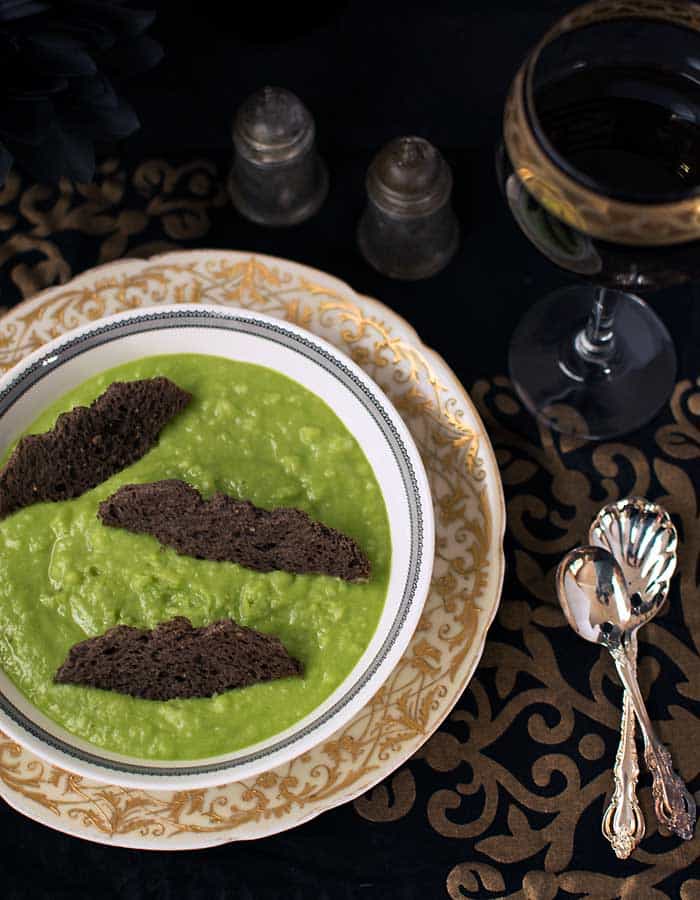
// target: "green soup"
[[249, 432]]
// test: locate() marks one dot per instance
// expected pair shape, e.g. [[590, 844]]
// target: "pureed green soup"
[[254, 434]]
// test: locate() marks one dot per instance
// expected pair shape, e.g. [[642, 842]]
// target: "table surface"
[[506, 799]]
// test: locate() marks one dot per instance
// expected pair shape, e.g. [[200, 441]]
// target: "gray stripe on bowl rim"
[[154, 321]]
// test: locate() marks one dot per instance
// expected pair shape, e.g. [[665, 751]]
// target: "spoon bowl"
[[594, 597], [643, 540]]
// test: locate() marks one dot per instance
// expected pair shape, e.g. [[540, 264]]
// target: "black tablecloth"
[[506, 799]]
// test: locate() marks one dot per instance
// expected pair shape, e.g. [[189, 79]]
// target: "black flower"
[[58, 62]]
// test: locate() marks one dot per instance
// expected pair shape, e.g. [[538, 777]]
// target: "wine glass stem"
[[595, 343]]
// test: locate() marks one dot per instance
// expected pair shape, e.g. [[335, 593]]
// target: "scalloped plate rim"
[[299, 816]]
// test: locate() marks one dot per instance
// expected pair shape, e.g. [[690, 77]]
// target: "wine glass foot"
[[578, 393]]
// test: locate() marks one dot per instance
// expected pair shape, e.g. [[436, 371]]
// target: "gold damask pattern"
[[151, 208], [636, 224], [550, 504], [539, 694]]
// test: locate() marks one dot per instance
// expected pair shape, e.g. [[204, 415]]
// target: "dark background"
[[368, 72]]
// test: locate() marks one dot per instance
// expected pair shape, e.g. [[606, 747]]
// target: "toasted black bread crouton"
[[225, 529], [89, 444], [175, 660]]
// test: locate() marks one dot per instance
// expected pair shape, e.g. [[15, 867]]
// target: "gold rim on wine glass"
[[594, 214]]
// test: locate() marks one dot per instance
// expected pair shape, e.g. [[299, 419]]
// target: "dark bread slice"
[[176, 660], [89, 444], [224, 529]]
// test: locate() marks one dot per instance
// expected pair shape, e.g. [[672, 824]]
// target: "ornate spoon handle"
[[673, 804], [623, 822]]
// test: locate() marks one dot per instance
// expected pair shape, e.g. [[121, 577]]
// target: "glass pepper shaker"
[[408, 229], [277, 178]]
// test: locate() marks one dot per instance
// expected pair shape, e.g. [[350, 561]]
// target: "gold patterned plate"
[[465, 589]]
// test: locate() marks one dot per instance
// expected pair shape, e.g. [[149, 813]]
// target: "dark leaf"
[[56, 96], [123, 20], [91, 93], [11, 10], [34, 86], [94, 35], [9, 48], [5, 163], [61, 54], [24, 122], [61, 154], [96, 111], [78, 155], [129, 59]]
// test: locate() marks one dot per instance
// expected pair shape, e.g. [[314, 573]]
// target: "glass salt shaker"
[[277, 178], [408, 229]]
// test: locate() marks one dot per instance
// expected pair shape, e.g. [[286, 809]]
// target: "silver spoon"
[[597, 605], [643, 540]]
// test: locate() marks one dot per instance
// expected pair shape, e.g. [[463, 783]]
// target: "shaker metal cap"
[[272, 126], [409, 177]]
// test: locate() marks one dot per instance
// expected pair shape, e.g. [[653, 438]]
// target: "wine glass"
[[600, 166]]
